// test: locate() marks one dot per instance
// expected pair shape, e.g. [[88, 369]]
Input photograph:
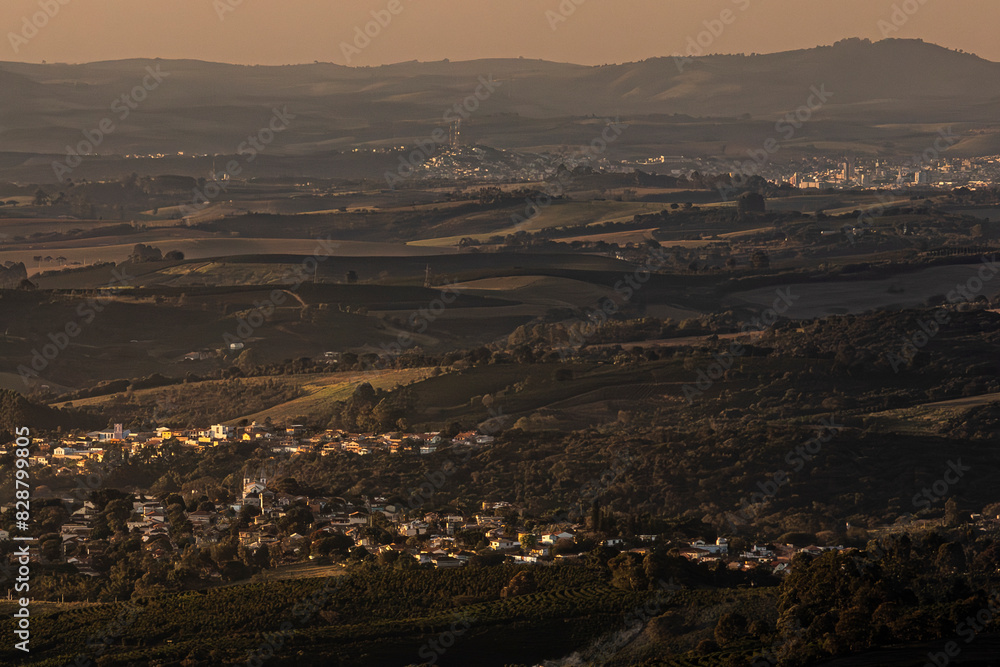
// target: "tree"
[[248, 360], [364, 393], [360, 554], [854, 629], [388, 558], [951, 514], [486, 558], [751, 202], [223, 552], [706, 646], [595, 516], [951, 557], [116, 513], [262, 557], [760, 628], [627, 572], [522, 583], [798, 539], [452, 429], [336, 545], [290, 486], [247, 513], [145, 253], [234, 570], [41, 198], [297, 519], [731, 627]]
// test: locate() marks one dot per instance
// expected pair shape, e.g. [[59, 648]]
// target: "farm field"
[[558, 214], [907, 290], [110, 249], [540, 290]]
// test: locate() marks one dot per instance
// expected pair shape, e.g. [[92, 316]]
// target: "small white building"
[[503, 544], [720, 548]]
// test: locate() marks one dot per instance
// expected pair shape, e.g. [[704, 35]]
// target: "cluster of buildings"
[[776, 558], [882, 173], [74, 451], [261, 515], [876, 173], [164, 534], [848, 172], [476, 163], [440, 540], [213, 522]]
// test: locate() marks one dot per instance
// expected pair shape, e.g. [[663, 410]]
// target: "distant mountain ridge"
[[209, 107]]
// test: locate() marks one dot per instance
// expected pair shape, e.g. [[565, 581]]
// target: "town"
[[273, 524], [930, 169], [269, 523]]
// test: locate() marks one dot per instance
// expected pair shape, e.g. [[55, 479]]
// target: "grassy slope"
[[318, 392], [321, 394]]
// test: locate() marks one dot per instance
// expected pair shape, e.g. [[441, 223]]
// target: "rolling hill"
[[211, 108]]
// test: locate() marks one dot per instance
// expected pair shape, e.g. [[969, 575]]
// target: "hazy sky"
[[594, 32]]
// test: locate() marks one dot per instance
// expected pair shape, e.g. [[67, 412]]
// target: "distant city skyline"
[[588, 32]]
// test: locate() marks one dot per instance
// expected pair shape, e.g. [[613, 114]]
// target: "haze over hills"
[[876, 90]]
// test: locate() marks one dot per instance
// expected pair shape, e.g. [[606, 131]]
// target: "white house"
[[530, 560], [503, 544]]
